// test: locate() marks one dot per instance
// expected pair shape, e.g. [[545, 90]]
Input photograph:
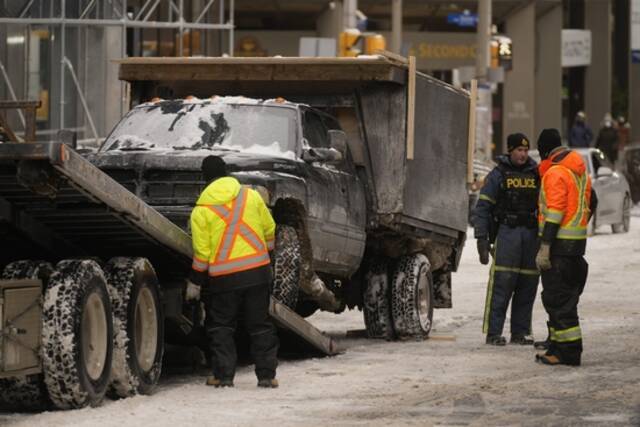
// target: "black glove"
[[483, 251]]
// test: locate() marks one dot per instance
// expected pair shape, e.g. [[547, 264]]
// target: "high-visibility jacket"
[[232, 229], [565, 195]]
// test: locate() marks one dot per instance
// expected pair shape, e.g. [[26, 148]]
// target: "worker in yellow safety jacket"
[[233, 232]]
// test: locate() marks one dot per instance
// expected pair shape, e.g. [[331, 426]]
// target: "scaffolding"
[[61, 18]]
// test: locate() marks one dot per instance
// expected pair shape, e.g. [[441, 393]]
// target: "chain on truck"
[[363, 162]]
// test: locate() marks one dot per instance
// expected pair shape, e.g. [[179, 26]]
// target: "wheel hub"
[[146, 329], [94, 336]]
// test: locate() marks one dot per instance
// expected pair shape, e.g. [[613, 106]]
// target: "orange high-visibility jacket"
[[232, 229], [565, 195]]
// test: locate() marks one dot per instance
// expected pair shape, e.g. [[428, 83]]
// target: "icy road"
[[435, 382]]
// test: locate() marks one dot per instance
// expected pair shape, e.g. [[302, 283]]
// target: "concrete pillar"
[[396, 26], [519, 85], [548, 81], [597, 86], [483, 37], [329, 23]]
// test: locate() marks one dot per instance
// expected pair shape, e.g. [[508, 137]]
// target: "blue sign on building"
[[463, 19], [635, 56]]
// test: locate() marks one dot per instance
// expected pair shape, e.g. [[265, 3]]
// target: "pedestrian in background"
[[607, 140], [232, 233], [565, 206], [580, 135], [505, 217]]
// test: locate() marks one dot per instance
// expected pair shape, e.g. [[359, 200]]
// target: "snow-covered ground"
[[435, 382]]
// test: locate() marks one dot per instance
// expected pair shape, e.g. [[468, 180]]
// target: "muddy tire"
[[77, 335], [376, 302], [26, 393], [287, 260], [27, 269], [624, 226], [138, 326], [412, 297]]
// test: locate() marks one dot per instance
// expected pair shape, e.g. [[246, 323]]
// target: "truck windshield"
[[180, 125]]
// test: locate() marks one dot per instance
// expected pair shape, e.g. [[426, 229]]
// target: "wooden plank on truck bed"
[[289, 319]]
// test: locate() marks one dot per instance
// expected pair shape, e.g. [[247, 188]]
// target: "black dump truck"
[[362, 161]]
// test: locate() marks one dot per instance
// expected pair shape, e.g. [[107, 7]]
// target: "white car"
[[611, 188]]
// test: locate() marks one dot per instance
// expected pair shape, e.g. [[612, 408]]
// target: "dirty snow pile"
[[452, 379]]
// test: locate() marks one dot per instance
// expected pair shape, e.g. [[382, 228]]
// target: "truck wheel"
[[412, 297], [77, 335], [376, 304], [286, 265], [138, 338], [26, 393], [27, 269], [624, 226]]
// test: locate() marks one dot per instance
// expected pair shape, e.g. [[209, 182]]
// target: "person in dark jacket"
[[505, 217], [608, 140], [565, 206], [581, 134]]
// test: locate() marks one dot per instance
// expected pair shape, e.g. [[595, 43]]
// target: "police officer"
[[565, 206], [232, 233], [505, 217]]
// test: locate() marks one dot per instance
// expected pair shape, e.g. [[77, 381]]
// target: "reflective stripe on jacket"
[[232, 229], [565, 195]]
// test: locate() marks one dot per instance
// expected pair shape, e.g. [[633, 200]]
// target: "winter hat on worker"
[[547, 141], [213, 167], [516, 140]]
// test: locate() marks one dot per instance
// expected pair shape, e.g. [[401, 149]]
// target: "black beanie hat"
[[213, 167], [516, 140], [547, 141]]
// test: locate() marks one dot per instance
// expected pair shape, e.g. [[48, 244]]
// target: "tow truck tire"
[[412, 297], [26, 393], [77, 335], [28, 269], [138, 326], [623, 227], [287, 260], [376, 302]]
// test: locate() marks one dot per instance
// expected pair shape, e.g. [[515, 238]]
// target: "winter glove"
[[193, 291], [483, 251], [542, 259]]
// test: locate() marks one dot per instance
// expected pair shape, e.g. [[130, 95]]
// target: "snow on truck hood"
[[199, 126]]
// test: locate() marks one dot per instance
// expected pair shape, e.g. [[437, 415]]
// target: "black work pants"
[[562, 286], [221, 323]]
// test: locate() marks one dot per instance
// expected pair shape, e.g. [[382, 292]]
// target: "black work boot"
[[496, 340], [268, 383], [215, 382], [541, 345], [521, 339]]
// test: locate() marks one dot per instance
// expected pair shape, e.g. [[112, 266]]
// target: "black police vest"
[[517, 203]]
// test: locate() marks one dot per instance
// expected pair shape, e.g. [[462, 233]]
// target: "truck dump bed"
[[372, 98], [54, 204]]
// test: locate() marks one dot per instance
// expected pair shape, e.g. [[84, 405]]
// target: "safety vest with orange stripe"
[[232, 229], [565, 195]]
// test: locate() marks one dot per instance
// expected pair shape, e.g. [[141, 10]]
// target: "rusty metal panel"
[[383, 115], [21, 315]]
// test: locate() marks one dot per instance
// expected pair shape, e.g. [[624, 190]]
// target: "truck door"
[[356, 204], [327, 203]]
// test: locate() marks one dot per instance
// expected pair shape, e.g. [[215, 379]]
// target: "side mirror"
[[338, 141], [325, 155], [604, 172], [68, 137]]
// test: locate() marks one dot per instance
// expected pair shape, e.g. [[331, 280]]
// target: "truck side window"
[[314, 131]]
